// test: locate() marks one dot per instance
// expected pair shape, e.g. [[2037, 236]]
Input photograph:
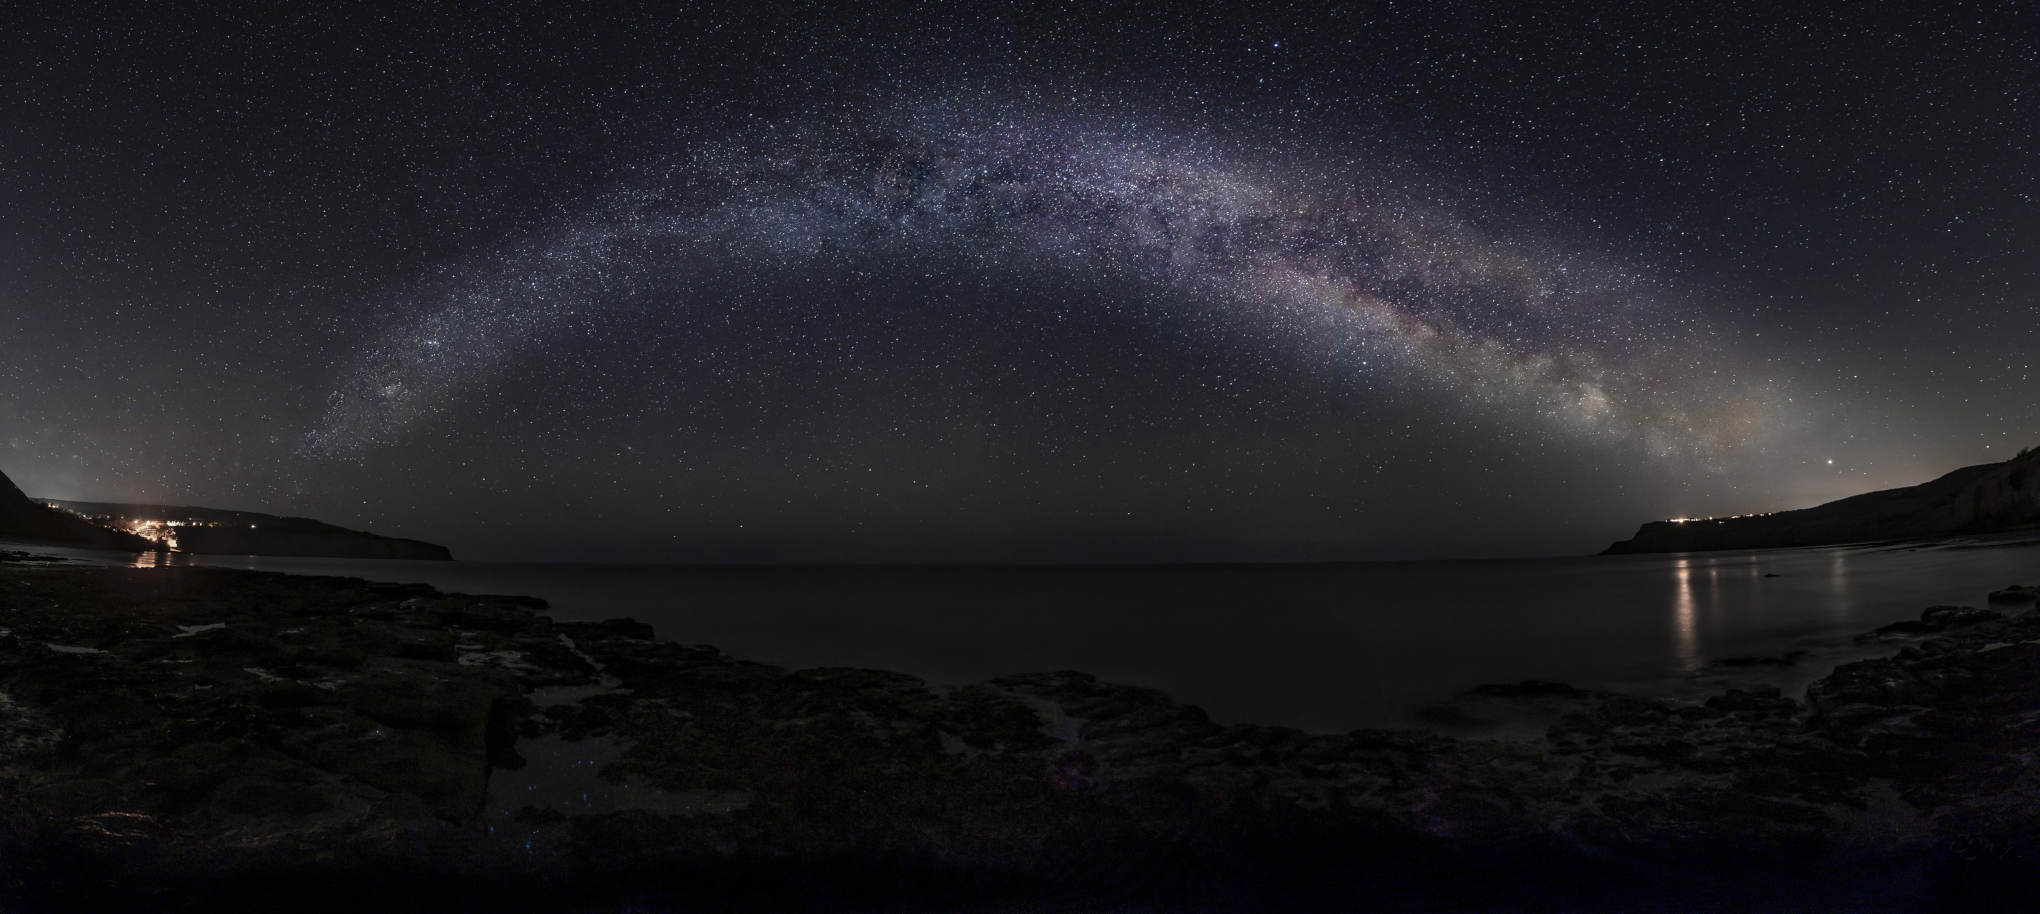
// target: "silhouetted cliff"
[[330, 541], [24, 519], [219, 532], [1989, 498]]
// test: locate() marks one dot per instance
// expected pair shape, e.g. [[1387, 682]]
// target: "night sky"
[[1099, 282]]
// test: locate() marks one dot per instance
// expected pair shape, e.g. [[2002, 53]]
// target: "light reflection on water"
[[1682, 612], [1838, 583]]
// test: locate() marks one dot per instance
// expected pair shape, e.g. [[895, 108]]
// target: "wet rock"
[[1866, 689], [1948, 618], [237, 723], [1756, 701], [1935, 620], [2015, 594]]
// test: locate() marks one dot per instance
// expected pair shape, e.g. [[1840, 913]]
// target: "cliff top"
[[1985, 498]]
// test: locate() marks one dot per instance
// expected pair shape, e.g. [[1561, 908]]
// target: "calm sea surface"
[[1323, 647]]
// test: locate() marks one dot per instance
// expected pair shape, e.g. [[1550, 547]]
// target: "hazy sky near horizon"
[[1015, 281]]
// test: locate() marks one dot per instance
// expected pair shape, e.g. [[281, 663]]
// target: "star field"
[[1364, 277], [929, 282]]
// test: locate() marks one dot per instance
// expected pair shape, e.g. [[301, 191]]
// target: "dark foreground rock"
[[1934, 621], [2016, 594], [196, 739]]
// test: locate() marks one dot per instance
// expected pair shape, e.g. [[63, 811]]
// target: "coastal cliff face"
[[332, 541], [21, 518], [1989, 498], [221, 532], [230, 737]]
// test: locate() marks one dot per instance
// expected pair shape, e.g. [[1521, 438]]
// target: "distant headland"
[[144, 528], [21, 518], [1987, 498]]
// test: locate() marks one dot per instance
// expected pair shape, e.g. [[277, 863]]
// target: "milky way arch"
[[1580, 348]]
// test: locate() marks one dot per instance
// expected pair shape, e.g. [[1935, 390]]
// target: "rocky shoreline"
[[187, 737]]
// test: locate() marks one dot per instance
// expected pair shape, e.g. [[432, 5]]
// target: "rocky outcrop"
[[27, 520], [2016, 594], [1989, 498], [195, 735]]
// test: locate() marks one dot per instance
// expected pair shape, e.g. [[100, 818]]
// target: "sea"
[[1322, 647]]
